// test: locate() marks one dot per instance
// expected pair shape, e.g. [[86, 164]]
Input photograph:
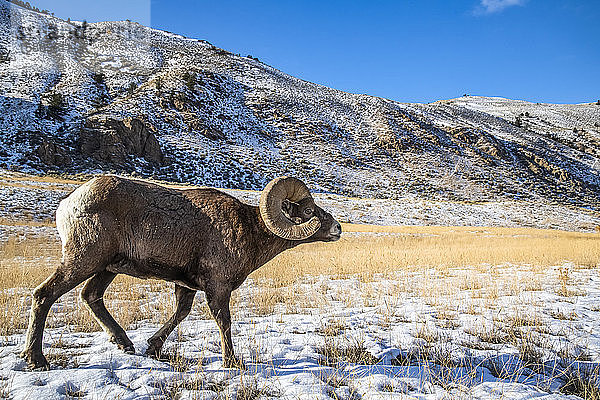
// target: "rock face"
[[53, 154], [114, 141]]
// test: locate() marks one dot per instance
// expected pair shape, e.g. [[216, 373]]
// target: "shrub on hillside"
[[158, 84], [98, 77], [56, 106], [190, 80], [131, 88]]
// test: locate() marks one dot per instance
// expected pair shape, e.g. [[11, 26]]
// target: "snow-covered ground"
[[23, 197], [483, 332], [505, 332]]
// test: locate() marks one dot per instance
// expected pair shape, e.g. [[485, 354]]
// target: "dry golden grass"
[[332, 327], [26, 222], [436, 264], [24, 181], [24, 264], [13, 308], [264, 299], [431, 251], [27, 263], [417, 247], [16, 177], [347, 349], [29, 185]]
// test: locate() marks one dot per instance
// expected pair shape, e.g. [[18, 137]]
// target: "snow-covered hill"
[[118, 96]]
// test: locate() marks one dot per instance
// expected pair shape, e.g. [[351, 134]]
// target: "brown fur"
[[200, 239]]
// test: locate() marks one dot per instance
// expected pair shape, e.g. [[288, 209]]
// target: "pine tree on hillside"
[[56, 106], [131, 88], [190, 80], [159, 85]]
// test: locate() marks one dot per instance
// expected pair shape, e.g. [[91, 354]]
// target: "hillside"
[[118, 96]]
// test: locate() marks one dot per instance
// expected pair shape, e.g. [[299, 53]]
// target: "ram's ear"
[[286, 206]]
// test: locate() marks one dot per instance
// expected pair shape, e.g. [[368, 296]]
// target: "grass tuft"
[[349, 350], [584, 383]]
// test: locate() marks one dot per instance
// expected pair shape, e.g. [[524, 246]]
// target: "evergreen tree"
[[518, 121], [56, 106], [98, 77], [190, 80], [131, 88], [159, 85]]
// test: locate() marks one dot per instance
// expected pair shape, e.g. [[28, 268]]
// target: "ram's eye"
[[308, 211]]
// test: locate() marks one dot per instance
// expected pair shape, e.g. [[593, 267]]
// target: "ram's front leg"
[[218, 303]]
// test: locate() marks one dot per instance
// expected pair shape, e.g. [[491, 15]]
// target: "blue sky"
[[414, 51]]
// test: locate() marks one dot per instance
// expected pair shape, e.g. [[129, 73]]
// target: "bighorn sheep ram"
[[200, 239]]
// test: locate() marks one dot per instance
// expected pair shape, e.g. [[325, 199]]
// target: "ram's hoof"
[[123, 344], [153, 352], [127, 349], [35, 362]]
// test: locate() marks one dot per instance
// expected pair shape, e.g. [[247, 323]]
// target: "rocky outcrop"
[[51, 153], [116, 141], [479, 141]]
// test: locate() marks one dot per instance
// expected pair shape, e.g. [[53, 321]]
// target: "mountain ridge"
[[121, 97]]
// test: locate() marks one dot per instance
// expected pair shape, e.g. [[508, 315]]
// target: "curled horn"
[[271, 198]]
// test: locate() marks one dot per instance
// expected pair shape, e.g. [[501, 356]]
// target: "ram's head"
[[290, 212]]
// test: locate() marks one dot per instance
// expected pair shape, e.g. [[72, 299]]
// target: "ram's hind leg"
[[185, 299], [59, 283], [92, 294]]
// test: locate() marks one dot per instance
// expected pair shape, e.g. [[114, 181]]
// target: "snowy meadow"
[[403, 312]]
